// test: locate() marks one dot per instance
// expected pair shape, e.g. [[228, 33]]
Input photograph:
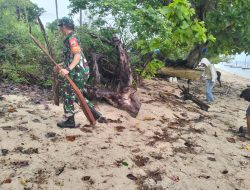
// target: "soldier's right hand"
[[57, 68]]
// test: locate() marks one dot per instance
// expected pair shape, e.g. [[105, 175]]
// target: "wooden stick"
[[83, 103]]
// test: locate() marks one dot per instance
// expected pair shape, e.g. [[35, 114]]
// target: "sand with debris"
[[172, 144]]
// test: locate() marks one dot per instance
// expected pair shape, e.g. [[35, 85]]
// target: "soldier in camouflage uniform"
[[75, 65]]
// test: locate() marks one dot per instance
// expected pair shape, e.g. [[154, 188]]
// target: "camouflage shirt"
[[71, 47]]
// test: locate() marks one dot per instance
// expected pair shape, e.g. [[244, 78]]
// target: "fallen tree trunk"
[[118, 78], [188, 96], [125, 99], [184, 73]]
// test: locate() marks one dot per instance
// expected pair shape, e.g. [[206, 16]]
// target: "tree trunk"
[[123, 97], [180, 72], [125, 100], [125, 72], [95, 69]]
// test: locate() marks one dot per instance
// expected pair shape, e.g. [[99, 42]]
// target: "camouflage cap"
[[65, 21]]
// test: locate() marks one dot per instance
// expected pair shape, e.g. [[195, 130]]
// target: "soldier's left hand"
[[64, 72]]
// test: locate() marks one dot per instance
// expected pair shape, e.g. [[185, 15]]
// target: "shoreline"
[[235, 71]]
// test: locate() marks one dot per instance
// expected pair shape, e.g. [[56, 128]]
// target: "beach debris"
[[8, 128], [21, 164], [121, 162], [248, 147], [2, 98], [36, 121], [34, 137], [124, 163], [174, 178], [155, 175], [140, 161], [50, 135], [137, 150], [30, 151], [148, 118], [224, 171], [60, 170], [215, 134], [41, 177], [59, 183], [88, 179], [46, 107], [32, 112], [188, 96], [72, 138], [11, 109], [27, 151], [156, 155], [114, 121], [120, 128], [211, 159], [7, 180], [4, 152], [204, 176], [131, 177], [24, 182], [20, 128], [231, 140]]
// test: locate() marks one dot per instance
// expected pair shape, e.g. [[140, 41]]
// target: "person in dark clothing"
[[219, 77], [245, 94]]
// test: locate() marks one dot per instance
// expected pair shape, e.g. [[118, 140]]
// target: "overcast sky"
[[50, 8]]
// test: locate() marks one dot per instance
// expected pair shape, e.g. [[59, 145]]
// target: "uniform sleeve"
[[74, 46]]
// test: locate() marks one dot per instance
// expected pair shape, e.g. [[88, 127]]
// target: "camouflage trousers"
[[79, 76]]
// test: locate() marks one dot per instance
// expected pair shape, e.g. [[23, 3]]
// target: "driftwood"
[[187, 96], [55, 86], [121, 94], [125, 100]]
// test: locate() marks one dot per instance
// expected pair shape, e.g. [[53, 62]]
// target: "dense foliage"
[[175, 26]]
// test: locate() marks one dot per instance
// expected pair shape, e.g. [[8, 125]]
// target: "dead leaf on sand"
[[8, 128], [148, 118], [4, 152], [204, 176], [50, 135], [231, 140], [211, 159], [22, 128], [119, 128], [72, 138], [60, 170], [114, 121], [8, 180], [21, 164], [86, 130], [88, 179], [132, 177], [11, 109], [136, 150], [140, 161]]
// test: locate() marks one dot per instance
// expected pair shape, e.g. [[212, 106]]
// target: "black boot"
[[98, 116], [69, 123]]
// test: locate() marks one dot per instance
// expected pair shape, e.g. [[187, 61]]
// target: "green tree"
[[180, 28]]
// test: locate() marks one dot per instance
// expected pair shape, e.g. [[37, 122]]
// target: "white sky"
[[50, 8]]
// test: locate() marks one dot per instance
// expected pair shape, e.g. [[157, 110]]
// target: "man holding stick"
[[74, 65]]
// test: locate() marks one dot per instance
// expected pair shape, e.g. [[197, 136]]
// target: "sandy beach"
[[172, 144]]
